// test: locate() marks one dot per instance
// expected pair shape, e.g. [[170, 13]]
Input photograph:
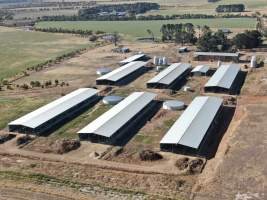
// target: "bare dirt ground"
[[238, 165]]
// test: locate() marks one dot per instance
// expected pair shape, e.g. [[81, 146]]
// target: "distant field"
[[20, 49], [138, 28]]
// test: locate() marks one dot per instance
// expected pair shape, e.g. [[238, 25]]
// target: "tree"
[[115, 38], [248, 39], [151, 33], [215, 42]]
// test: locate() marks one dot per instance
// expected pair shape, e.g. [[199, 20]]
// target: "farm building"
[[195, 125], [200, 70], [170, 77], [123, 74], [50, 116], [137, 57], [226, 79], [212, 56], [116, 124]]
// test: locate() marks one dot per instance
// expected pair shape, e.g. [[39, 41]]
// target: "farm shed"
[[123, 74], [170, 77], [137, 57], [226, 79], [200, 70], [50, 116], [116, 123], [212, 56], [198, 121]]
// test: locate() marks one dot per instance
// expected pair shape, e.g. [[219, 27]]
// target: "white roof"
[[201, 68], [122, 71], [224, 76], [216, 54], [171, 73], [51, 110], [132, 58], [112, 120], [190, 129]]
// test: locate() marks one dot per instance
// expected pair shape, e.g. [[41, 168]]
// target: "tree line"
[[69, 31], [230, 8], [141, 17], [208, 40]]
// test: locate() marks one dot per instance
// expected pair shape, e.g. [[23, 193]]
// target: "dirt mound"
[[23, 140], [5, 137], [149, 155], [196, 166], [182, 163], [66, 145]]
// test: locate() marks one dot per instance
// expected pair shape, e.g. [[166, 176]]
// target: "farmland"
[[22, 49], [139, 28]]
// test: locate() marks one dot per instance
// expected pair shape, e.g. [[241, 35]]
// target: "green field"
[[21, 49], [138, 28]]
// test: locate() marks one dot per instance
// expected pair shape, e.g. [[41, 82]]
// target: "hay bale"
[[150, 155], [196, 166], [5, 137], [23, 140], [182, 163], [66, 145]]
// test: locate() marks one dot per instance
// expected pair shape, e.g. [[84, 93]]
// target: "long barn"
[[224, 80], [55, 113], [122, 74], [170, 77], [116, 123], [197, 122]]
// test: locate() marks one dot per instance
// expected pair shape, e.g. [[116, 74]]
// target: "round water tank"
[[112, 100], [253, 62], [164, 61], [173, 105], [103, 70], [160, 61], [156, 60]]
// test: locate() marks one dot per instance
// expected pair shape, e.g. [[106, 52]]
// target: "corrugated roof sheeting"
[[123, 71], [201, 68], [132, 58], [216, 54], [51, 110], [171, 73], [112, 120], [190, 129], [224, 76]]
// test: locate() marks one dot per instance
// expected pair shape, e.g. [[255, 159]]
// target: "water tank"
[[160, 61], [164, 61], [219, 63], [112, 100], [156, 60], [253, 62], [187, 88], [173, 105], [103, 70]]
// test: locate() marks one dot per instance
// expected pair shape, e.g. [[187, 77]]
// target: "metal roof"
[[132, 58], [190, 129], [201, 68], [171, 73], [216, 54], [51, 110], [122, 71], [112, 120], [224, 76]]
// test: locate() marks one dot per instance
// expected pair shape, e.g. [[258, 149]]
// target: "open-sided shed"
[[55, 113], [170, 77], [117, 123], [122, 74], [190, 131], [226, 79]]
